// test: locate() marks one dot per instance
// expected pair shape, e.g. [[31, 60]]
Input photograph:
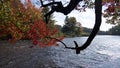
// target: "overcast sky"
[[87, 19]]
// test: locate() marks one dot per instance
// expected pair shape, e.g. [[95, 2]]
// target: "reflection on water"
[[104, 52]]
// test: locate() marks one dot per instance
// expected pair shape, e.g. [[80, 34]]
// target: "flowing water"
[[104, 52]]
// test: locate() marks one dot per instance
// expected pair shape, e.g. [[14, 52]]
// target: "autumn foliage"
[[40, 34], [112, 5], [21, 21], [111, 13]]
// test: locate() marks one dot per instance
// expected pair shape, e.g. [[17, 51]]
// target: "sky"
[[87, 19]]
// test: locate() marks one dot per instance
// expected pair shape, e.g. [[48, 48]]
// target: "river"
[[104, 52]]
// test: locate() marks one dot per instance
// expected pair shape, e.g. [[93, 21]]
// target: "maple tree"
[[112, 12], [24, 21], [42, 35], [15, 19]]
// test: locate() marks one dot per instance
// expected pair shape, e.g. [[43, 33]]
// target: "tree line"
[[72, 28]]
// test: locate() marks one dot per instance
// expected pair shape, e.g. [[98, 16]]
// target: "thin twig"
[[64, 43]]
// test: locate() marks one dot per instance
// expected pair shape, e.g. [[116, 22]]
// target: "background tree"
[[59, 28], [70, 29], [51, 23], [115, 30]]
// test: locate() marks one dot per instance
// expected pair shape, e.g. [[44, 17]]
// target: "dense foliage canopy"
[[112, 13], [23, 21]]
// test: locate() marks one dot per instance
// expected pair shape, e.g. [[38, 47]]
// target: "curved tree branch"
[[58, 41], [68, 9], [64, 43], [98, 19]]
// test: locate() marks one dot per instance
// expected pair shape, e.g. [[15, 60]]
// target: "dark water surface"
[[104, 52]]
